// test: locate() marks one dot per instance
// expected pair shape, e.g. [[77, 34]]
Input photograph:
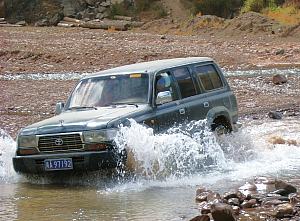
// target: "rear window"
[[185, 83], [209, 77]]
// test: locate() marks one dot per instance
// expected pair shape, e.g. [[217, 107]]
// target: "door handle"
[[206, 104], [182, 111]]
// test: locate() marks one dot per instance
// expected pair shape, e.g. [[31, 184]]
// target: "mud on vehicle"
[[158, 94]]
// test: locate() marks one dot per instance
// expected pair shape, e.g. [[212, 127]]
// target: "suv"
[[158, 94]]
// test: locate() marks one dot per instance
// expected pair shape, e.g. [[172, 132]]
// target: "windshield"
[[110, 90]]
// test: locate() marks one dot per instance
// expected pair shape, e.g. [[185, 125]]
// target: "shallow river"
[[168, 169], [163, 188]]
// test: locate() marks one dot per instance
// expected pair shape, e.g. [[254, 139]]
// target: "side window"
[[165, 83], [185, 83], [209, 77]]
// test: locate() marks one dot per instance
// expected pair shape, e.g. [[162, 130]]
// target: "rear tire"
[[221, 127]]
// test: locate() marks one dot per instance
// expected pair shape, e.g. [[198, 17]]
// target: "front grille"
[[61, 142]]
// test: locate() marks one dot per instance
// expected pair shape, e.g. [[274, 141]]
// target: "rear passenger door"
[[212, 88], [187, 90]]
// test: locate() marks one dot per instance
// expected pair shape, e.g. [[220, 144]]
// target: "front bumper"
[[82, 161]]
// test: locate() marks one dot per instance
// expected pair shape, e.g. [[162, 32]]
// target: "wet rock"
[[284, 210], [279, 184], [294, 198], [230, 195], [281, 140], [205, 207], [201, 218], [275, 115], [222, 212], [234, 201], [249, 204], [203, 196], [248, 188], [281, 192], [200, 190], [236, 210], [279, 79], [272, 202], [265, 180], [213, 197], [207, 196]]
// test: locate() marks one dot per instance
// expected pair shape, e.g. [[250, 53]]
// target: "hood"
[[81, 120]]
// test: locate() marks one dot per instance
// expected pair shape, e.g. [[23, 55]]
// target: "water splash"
[[179, 152], [7, 150], [181, 158]]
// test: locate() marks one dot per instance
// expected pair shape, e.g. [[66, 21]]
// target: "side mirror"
[[59, 107], [163, 97]]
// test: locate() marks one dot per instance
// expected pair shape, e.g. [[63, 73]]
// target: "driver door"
[[167, 113]]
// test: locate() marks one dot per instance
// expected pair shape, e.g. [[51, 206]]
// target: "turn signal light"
[[28, 151]]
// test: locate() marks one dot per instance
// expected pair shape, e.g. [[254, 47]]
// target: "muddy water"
[[167, 172]]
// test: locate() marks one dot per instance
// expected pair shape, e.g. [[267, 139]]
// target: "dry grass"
[[287, 15]]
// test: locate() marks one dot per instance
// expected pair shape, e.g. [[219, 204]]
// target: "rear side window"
[[185, 82], [209, 77]]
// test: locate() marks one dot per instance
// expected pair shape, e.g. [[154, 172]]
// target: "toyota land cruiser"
[[158, 94]]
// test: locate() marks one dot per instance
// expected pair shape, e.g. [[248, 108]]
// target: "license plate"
[[58, 164]]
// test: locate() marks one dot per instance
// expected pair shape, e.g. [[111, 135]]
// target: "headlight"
[[27, 141], [96, 136]]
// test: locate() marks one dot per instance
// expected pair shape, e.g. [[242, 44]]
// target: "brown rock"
[[200, 190], [249, 186], [222, 212], [201, 218], [248, 204], [202, 196], [294, 198], [236, 210], [279, 79], [230, 195], [284, 210], [205, 208], [272, 202], [234, 201], [279, 184]]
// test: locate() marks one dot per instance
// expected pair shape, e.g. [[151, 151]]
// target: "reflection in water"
[[169, 194]]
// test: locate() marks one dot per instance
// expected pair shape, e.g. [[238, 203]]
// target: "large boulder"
[[222, 212], [279, 79]]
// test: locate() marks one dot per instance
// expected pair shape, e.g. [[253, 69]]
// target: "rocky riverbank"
[[261, 199]]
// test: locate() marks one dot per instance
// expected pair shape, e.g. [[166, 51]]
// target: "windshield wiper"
[[82, 107], [124, 103]]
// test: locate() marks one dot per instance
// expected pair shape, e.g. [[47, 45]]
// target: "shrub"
[[259, 5], [136, 7], [221, 8]]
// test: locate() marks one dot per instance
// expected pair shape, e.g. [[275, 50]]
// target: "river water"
[[168, 168], [167, 174]]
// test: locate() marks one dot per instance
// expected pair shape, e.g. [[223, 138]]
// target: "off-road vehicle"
[[159, 94]]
